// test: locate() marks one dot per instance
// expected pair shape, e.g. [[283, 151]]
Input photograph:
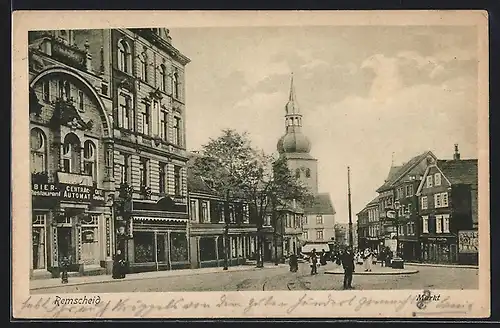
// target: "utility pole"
[[349, 203]]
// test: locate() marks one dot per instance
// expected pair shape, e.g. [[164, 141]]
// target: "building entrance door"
[[66, 243]]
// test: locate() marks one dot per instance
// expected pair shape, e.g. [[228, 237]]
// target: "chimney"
[[456, 155]]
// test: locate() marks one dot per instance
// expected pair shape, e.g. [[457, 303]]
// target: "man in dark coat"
[[314, 262], [348, 265], [119, 266]]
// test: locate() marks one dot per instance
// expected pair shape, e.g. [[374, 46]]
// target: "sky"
[[369, 95]]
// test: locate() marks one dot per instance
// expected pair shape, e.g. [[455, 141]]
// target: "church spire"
[[292, 107]]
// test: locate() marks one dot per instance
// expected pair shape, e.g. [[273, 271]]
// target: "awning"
[[319, 247], [151, 218]]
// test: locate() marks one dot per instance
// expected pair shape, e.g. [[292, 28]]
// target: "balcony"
[[68, 54]]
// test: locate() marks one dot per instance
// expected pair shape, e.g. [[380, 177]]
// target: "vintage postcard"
[[250, 164]]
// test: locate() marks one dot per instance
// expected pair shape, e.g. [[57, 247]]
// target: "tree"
[[239, 171]]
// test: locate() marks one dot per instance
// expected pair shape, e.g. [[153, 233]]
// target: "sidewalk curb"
[[364, 273], [444, 265], [135, 278]]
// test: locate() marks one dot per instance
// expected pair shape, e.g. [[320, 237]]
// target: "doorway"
[[65, 243]]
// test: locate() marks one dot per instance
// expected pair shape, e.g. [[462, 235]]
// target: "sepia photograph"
[[252, 166]]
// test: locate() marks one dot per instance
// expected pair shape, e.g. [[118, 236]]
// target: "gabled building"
[[207, 227], [447, 206], [398, 194], [368, 226]]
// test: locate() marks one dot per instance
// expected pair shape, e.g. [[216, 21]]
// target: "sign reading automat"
[[73, 193]]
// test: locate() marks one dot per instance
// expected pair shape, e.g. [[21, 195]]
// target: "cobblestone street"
[[279, 278]]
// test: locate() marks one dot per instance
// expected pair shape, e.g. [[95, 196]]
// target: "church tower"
[[295, 146]]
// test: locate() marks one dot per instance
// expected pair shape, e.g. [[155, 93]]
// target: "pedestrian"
[[322, 258], [65, 263], [118, 266], [382, 257], [314, 262], [367, 259], [348, 265], [293, 263]]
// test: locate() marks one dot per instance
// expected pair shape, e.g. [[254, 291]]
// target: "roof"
[[395, 173], [462, 171], [196, 183], [322, 205], [373, 202]]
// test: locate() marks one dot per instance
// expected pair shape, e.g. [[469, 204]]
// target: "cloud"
[[314, 64], [387, 80]]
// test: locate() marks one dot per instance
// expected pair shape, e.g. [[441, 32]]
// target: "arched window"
[[175, 85], [67, 91], [308, 173], [89, 159], [123, 56], [71, 154], [144, 68], [297, 173], [38, 147], [163, 78]]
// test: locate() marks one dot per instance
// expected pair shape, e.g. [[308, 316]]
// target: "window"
[[193, 209], [89, 159], [67, 91], [409, 191], [425, 224], [305, 220], [439, 223], [80, 101], [177, 131], [308, 173], [319, 219], [177, 180], [446, 223], [38, 147], [305, 235], [408, 209], [71, 154], [163, 178], [154, 118], [143, 172], [297, 173], [246, 213], [145, 115], [444, 199], [143, 68], [319, 234], [46, 90], [175, 85], [164, 124], [123, 111], [437, 201], [204, 212], [60, 89], [437, 179], [163, 78], [423, 202], [429, 181], [123, 56], [38, 241], [124, 168]]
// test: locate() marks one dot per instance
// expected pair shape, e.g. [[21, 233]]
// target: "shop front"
[[73, 222], [157, 236], [409, 249], [208, 245], [439, 249]]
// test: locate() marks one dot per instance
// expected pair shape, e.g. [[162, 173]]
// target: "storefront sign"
[[45, 190], [437, 239], [468, 241], [66, 192]]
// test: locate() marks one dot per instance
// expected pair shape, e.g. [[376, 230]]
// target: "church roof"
[[322, 205], [294, 142]]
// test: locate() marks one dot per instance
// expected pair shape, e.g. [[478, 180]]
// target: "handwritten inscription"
[[97, 307]]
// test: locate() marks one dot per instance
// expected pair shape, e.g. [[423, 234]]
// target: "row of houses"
[[426, 210], [110, 169]]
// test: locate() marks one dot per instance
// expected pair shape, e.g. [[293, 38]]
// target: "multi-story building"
[[107, 115], [207, 227], [71, 141], [295, 147], [398, 194], [448, 206], [368, 226]]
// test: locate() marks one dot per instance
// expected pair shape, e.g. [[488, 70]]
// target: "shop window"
[[71, 153], [208, 249], [89, 158], [144, 247], [220, 247], [178, 247], [38, 145], [38, 241], [160, 248], [234, 247]]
